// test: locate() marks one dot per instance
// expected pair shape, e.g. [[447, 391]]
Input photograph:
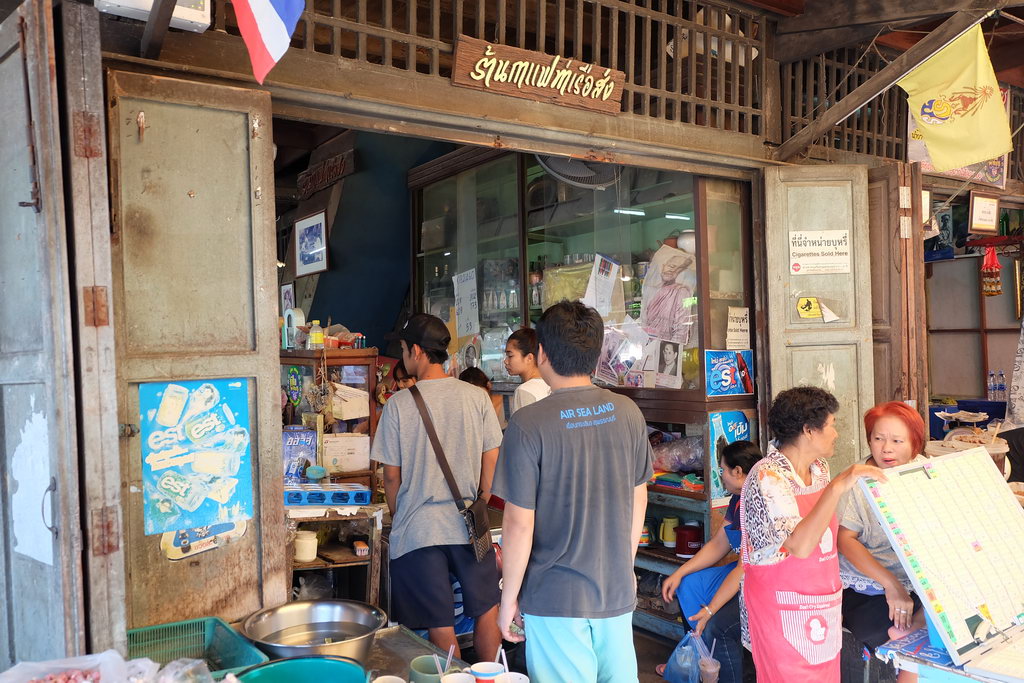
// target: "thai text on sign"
[[536, 76], [819, 252]]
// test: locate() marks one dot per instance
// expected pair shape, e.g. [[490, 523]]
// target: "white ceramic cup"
[[486, 672], [459, 677], [512, 677], [389, 679]]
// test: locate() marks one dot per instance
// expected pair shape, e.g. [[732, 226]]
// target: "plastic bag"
[[684, 663], [683, 455], [185, 671], [108, 666], [142, 670]]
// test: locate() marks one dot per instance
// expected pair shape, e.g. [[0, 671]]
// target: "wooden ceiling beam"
[[795, 46], [156, 28], [883, 80], [824, 15]]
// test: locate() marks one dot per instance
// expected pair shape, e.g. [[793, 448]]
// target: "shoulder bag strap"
[[436, 443]]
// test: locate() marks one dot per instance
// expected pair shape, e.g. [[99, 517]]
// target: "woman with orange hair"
[[877, 602]]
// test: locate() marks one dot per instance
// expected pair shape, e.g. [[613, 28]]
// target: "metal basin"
[[316, 627]]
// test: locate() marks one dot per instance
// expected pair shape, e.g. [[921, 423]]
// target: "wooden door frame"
[[85, 158]]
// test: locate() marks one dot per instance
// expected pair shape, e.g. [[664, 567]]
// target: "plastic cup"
[[709, 669]]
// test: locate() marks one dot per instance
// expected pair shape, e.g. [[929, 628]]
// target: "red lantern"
[[991, 284]]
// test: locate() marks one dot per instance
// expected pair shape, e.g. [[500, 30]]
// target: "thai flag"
[[267, 27]]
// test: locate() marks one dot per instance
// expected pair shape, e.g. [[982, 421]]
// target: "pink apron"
[[794, 611]]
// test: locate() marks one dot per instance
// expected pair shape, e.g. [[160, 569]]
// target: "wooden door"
[[40, 573], [195, 292], [818, 262], [897, 279]]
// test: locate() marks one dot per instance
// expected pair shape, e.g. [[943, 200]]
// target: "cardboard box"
[[346, 453]]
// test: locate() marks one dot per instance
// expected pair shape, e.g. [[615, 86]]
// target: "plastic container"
[[222, 648], [316, 336], [305, 546], [321, 668]]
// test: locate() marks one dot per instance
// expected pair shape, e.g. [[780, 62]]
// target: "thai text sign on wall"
[[536, 76]]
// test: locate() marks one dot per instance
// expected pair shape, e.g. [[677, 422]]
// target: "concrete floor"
[[651, 650]]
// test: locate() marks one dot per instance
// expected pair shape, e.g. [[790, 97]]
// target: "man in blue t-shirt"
[[569, 537]]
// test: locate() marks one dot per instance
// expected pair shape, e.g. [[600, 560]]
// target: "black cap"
[[424, 329]]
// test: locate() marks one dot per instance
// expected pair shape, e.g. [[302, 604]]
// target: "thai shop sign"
[[536, 76], [196, 456]]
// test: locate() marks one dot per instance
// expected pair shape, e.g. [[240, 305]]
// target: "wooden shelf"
[[682, 493], [333, 555], [660, 552]]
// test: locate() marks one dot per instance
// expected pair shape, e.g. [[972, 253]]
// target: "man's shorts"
[[421, 592]]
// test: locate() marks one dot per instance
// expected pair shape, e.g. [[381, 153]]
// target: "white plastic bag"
[[109, 666]]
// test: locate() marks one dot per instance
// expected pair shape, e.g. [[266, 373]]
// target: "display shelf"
[[332, 556], [658, 558], [682, 493]]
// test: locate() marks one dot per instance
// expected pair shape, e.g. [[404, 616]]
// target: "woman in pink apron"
[[792, 595]]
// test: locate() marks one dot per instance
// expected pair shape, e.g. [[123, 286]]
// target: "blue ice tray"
[[326, 495]]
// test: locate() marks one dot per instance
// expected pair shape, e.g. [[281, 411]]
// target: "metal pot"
[[316, 627]]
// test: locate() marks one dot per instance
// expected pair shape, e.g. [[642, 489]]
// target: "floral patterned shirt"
[[768, 508]]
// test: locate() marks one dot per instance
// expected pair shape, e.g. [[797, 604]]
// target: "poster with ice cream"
[[196, 464]]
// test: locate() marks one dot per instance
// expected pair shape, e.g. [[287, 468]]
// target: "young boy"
[[573, 469], [521, 359]]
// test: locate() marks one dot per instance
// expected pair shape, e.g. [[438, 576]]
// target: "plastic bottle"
[[1001, 387], [990, 388], [316, 336]]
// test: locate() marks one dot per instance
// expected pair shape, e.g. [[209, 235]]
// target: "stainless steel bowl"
[[316, 627]]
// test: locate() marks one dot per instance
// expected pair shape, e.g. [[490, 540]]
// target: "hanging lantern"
[[991, 285]]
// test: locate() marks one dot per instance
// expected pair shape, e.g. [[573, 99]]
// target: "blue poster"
[[729, 373], [725, 427], [196, 459]]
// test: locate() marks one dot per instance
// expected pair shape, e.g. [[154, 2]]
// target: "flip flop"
[[660, 670]]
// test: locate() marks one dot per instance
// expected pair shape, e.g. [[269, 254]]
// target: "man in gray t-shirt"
[[573, 470], [428, 538]]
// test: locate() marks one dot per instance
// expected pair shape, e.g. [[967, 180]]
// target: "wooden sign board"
[[536, 76], [324, 174]]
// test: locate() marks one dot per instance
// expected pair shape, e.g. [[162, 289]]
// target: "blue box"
[[326, 495]]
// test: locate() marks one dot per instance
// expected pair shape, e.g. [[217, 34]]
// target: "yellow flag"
[[954, 97]]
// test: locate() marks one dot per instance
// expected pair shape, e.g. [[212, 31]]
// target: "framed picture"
[[984, 214], [311, 244], [287, 297]]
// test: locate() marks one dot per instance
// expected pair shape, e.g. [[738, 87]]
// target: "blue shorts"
[[697, 589], [563, 649]]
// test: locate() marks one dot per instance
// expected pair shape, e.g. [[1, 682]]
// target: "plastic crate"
[[222, 648]]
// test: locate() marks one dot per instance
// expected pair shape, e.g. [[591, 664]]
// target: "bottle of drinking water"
[[990, 388], [1001, 387]]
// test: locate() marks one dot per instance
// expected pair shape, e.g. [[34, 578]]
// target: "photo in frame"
[[984, 214], [287, 297], [311, 244]]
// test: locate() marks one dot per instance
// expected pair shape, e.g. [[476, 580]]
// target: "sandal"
[[660, 669]]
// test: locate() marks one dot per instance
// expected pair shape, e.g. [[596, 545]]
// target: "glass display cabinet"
[[664, 256]]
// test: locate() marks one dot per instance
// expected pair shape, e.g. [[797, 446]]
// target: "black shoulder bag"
[[475, 515]]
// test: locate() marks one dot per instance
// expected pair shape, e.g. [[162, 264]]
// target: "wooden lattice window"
[[811, 86], [717, 82]]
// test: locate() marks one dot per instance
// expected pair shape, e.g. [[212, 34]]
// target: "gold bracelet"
[[708, 610]]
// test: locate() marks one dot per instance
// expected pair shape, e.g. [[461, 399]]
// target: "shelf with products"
[[679, 244]]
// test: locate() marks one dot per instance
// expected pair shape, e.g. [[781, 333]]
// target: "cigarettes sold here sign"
[[819, 252]]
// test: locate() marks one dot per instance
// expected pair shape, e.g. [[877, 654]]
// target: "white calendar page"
[[959, 533]]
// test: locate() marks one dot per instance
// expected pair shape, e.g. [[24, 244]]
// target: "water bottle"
[[316, 336], [990, 388], [1001, 387]]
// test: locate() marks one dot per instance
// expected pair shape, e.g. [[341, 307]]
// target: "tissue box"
[[346, 453]]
